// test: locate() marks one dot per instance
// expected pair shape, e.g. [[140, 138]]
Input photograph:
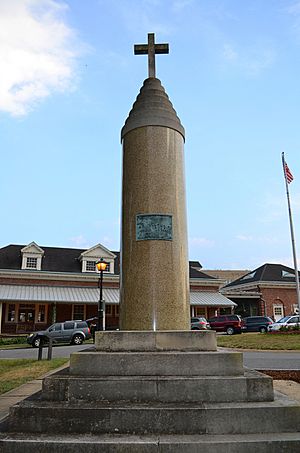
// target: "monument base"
[[175, 394]]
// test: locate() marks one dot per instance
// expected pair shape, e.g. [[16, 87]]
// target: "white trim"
[[32, 250], [277, 317], [92, 252], [32, 245]]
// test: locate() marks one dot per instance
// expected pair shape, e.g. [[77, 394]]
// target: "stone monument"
[[154, 261], [154, 390]]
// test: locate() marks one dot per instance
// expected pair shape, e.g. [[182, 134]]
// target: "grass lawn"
[[269, 341], [15, 372]]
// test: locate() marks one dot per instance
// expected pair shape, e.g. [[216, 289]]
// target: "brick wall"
[[276, 296]]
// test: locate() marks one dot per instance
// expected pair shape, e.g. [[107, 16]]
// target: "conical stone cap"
[[152, 108]]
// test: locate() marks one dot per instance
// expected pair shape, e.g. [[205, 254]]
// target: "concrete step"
[[281, 415], [172, 340], [253, 386], [94, 363], [249, 443]]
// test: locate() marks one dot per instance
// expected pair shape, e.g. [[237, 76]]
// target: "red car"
[[230, 324]]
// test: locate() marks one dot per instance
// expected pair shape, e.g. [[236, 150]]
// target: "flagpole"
[[292, 234]]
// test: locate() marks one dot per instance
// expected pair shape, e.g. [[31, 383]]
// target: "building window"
[[90, 266], [278, 312], [26, 313], [31, 263], [41, 313], [11, 316], [200, 311], [78, 312], [252, 275], [116, 310], [108, 310]]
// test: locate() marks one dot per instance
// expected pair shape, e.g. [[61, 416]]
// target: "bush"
[[12, 340], [290, 328]]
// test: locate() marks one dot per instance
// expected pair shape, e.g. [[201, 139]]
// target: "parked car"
[[74, 332], [286, 321], [199, 324], [256, 324], [230, 324]]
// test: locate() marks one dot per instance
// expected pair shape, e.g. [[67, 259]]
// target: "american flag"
[[288, 175]]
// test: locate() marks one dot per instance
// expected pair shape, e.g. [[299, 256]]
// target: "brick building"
[[40, 285], [268, 290]]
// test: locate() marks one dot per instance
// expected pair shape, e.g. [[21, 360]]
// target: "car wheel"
[[77, 339], [230, 330], [36, 342], [263, 329]]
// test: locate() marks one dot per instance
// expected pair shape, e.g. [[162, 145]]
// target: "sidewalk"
[[18, 394]]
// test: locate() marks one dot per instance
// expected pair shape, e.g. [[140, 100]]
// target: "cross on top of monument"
[[151, 49]]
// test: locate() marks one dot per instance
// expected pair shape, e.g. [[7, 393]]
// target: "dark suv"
[[256, 324], [74, 332], [226, 323]]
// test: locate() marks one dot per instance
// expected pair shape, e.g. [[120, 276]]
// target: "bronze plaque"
[[154, 227]]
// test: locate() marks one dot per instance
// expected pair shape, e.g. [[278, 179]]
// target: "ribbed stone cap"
[[152, 108]]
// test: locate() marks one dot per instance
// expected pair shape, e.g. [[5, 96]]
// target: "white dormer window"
[[32, 256], [90, 257], [31, 263], [252, 275], [90, 266], [287, 274]]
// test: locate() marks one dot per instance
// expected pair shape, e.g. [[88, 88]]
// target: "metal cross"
[[151, 49]]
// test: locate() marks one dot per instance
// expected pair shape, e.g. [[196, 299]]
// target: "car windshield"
[[283, 320]]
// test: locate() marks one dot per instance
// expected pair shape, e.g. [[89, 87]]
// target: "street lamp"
[[101, 266]]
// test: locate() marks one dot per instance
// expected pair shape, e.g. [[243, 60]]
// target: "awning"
[[73, 295], [59, 294], [210, 299]]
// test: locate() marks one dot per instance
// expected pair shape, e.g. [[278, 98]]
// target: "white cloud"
[[243, 237], [37, 53], [80, 241], [274, 207], [294, 9], [258, 239], [229, 53], [201, 242], [251, 60], [179, 5]]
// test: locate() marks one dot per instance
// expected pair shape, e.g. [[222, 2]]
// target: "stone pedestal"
[[171, 397]]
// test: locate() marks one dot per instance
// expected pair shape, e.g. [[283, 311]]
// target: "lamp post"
[[101, 266]]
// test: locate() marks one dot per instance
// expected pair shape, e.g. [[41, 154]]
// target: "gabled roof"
[[96, 251], [62, 259], [32, 248], [55, 259], [265, 273], [194, 273]]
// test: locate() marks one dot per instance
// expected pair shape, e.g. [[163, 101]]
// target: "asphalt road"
[[262, 360], [272, 360], [32, 353]]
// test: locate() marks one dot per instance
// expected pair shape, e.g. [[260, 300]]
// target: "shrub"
[[12, 340]]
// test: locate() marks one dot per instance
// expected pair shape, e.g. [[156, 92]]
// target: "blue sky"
[[69, 78]]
